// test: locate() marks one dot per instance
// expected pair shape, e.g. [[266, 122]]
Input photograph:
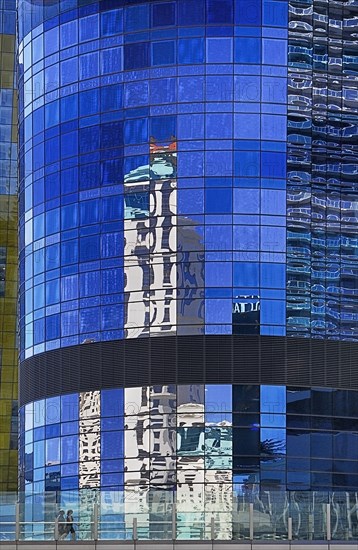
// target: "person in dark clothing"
[[69, 525]]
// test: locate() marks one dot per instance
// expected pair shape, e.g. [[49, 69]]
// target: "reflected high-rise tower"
[[188, 255]]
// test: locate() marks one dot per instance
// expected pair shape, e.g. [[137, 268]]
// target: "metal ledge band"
[[225, 359]]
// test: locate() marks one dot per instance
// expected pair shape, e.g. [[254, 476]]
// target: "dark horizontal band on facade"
[[193, 359]]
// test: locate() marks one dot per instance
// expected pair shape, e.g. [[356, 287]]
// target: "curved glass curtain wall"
[[153, 170], [181, 175], [153, 165], [216, 439]]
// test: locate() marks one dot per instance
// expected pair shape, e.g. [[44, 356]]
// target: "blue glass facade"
[[187, 168], [191, 438], [120, 104]]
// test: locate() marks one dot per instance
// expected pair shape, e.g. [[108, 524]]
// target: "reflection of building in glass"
[[246, 315], [188, 211], [150, 229]]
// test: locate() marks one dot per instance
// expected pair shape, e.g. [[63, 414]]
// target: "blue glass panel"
[[53, 221], [162, 128], [273, 275], [53, 259], [69, 448], [69, 407], [112, 465], [112, 281], [246, 201], [136, 56], [219, 88], [274, 52], [246, 274], [69, 483], [163, 90], [136, 93], [69, 34], [163, 53], [191, 50], [218, 201], [112, 445], [89, 102], [218, 238], [112, 316], [273, 312], [246, 239], [69, 252], [219, 50], [89, 139], [273, 202], [89, 65], [89, 27], [69, 107], [52, 327], [190, 201], [112, 403], [190, 13], [218, 311], [113, 480], [52, 77], [52, 114], [218, 274], [51, 41], [163, 14], [273, 127], [90, 283], [89, 248], [275, 13], [111, 97], [53, 451], [191, 164], [247, 88], [69, 322], [248, 13], [136, 131], [69, 71], [136, 18], [218, 162], [112, 208], [219, 126], [274, 89], [111, 60], [247, 50], [247, 126], [273, 164], [40, 413], [39, 331], [111, 22], [219, 11], [191, 88], [39, 454], [191, 126], [247, 163], [69, 144], [89, 320], [90, 175]]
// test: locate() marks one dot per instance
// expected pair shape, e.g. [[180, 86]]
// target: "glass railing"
[[160, 515]]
